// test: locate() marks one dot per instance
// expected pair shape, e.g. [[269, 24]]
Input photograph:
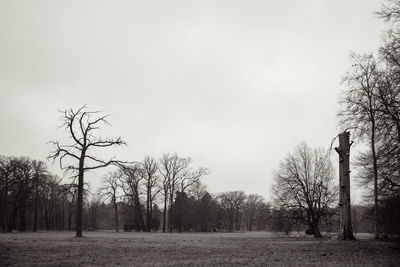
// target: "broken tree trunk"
[[345, 230]]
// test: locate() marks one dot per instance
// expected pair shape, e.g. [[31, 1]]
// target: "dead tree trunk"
[[345, 230]]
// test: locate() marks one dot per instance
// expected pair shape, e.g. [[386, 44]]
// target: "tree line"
[[32, 198], [130, 198]]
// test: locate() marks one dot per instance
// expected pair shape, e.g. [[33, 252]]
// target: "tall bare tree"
[[303, 186], [177, 174], [171, 167], [152, 187], [131, 180], [81, 126], [359, 109]]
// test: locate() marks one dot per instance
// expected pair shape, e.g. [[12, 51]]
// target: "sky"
[[235, 85]]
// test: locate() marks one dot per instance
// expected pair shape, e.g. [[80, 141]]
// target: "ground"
[[190, 249]]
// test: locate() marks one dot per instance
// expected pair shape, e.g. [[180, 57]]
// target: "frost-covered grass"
[[191, 249]]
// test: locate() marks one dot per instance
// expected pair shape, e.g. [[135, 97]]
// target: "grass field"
[[190, 249]]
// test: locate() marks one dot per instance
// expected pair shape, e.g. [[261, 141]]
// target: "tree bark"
[[345, 230]]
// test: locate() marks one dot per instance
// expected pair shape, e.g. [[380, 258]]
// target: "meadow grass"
[[190, 249]]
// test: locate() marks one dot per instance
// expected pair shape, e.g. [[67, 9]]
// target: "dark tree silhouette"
[[303, 187], [81, 126]]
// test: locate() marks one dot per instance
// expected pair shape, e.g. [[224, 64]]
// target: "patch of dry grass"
[[191, 249]]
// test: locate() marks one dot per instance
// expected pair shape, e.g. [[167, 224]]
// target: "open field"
[[191, 249]]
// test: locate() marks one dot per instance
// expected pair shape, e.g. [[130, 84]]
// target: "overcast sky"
[[235, 85]]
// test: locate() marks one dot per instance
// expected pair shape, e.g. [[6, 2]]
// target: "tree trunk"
[[80, 199], [116, 215], [170, 213], [147, 211], [375, 166], [139, 216], [345, 230], [165, 213], [149, 215], [314, 228], [316, 231]]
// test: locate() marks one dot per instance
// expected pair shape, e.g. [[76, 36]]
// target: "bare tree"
[[81, 126], [7, 168], [165, 169], [360, 109], [19, 188], [189, 177], [252, 204], [152, 187], [130, 178], [177, 175], [263, 216], [110, 190], [40, 171], [303, 186], [49, 194], [232, 204], [171, 167]]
